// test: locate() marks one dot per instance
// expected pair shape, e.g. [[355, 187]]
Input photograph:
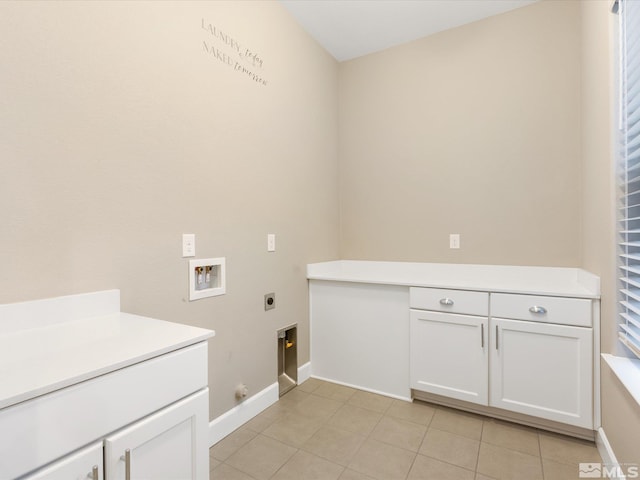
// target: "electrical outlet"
[[269, 301], [454, 240], [271, 242]]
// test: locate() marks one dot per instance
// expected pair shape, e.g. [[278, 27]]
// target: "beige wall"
[[474, 131], [620, 412], [119, 133]]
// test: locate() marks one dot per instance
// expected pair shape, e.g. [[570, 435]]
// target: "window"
[[629, 170]]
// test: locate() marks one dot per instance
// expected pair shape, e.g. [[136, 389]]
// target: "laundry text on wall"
[[228, 50]]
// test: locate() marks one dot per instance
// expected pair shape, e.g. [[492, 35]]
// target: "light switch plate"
[[454, 240], [271, 242], [188, 244]]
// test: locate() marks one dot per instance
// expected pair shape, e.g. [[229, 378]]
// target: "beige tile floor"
[[324, 431]]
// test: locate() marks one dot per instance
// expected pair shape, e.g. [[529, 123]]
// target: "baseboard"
[[604, 448], [226, 423], [229, 421], [304, 372], [608, 456]]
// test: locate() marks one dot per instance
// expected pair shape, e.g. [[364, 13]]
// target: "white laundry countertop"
[[50, 344], [554, 281]]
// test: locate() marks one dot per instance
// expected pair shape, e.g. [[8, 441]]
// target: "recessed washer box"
[[206, 278]]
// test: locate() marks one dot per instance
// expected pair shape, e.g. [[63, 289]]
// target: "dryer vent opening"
[[287, 358]]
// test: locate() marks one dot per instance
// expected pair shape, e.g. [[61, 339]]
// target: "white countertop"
[[554, 281], [50, 344]]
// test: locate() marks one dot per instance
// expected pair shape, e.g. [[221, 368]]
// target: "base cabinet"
[[166, 445], [449, 355], [544, 370], [537, 362]]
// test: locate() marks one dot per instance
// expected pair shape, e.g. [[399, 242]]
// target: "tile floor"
[[324, 431]]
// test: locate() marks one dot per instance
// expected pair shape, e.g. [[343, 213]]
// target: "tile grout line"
[[479, 447], [424, 437], [325, 423], [366, 437], [540, 452], [286, 462]]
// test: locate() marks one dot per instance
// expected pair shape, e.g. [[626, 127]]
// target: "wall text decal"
[[228, 50]]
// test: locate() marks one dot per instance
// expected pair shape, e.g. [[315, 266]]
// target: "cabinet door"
[[81, 465], [543, 370], [449, 355], [170, 444]]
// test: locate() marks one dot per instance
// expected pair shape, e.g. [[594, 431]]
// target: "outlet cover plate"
[[269, 301]]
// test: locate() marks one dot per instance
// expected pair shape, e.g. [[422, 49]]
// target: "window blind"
[[629, 332]]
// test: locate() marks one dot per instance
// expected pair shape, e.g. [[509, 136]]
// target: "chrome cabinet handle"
[[127, 464], [496, 337], [537, 309], [94, 475], [482, 335], [446, 301]]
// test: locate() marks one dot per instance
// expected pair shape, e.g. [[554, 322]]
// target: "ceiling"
[[351, 28]]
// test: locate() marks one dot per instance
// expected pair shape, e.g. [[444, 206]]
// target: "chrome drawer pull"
[[94, 473], [446, 301], [482, 335], [127, 464], [536, 309]]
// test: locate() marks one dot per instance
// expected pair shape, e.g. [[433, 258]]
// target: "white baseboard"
[[304, 372], [604, 448], [226, 423], [607, 454]]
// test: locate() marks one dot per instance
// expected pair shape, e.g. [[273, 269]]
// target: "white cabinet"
[[81, 465], [167, 445], [539, 362], [449, 355], [158, 409], [449, 343], [79, 376], [541, 368], [162, 446]]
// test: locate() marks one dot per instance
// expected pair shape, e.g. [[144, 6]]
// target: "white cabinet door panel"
[[76, 466], [543, 370], [169, 445], [449, 355], [360, 335]]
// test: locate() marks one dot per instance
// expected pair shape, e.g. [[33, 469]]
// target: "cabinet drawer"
[[454, 301], [559, 310]]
